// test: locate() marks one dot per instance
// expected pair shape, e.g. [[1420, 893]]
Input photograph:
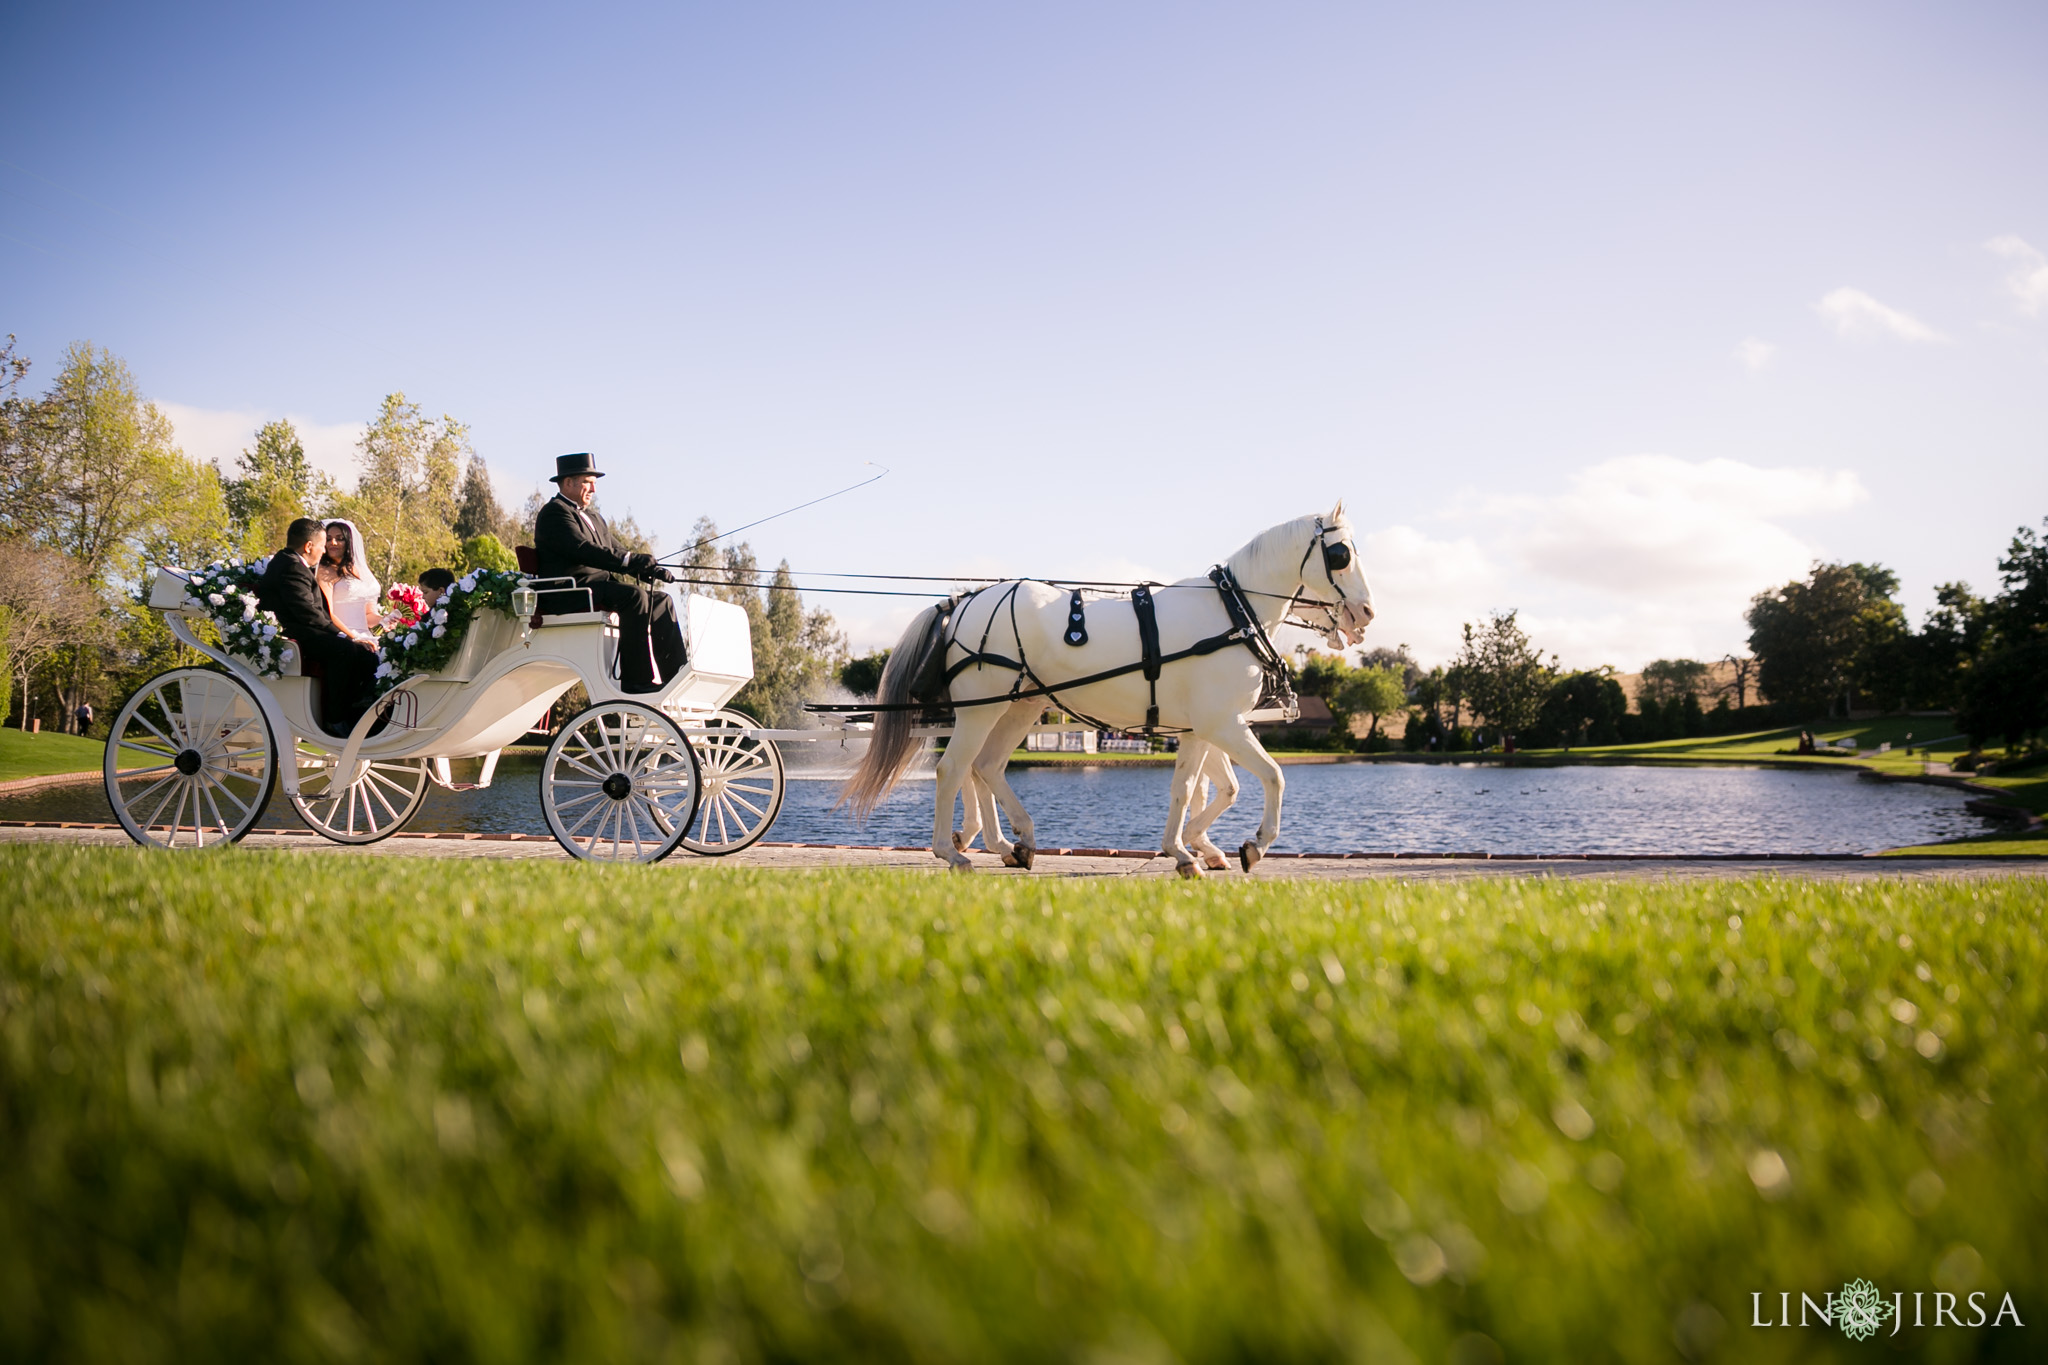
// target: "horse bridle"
[[1336, 559]]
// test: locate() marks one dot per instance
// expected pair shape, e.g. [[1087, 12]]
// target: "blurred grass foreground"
[[275, 1106]]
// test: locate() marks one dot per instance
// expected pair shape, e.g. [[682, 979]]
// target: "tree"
[[1744, 679], [1504, 676], [1667, 680], [1812, 639], [1397, 657], [1585, 707], [477, 512], [863, 676], [405, 500], [2005, 693], [276, 485], [50, 606], [20, 479], [486, 551], [1375, 692], [99, 478]]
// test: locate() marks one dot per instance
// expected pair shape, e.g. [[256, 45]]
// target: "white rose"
[[269, 631], [439, 631], [412, 638], [467, 583], [440, 613], [260, 565], [216, 599], [384, 669], [248, 609]]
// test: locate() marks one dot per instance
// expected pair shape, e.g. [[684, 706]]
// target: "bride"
[[345, 579]]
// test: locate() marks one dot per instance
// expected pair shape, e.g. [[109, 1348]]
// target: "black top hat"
[[580, 463]]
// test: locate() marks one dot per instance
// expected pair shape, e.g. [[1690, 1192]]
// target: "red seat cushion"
[[529, 562]]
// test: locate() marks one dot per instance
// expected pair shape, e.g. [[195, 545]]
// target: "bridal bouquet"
[[430, 640], [226, 593], [408, 605]]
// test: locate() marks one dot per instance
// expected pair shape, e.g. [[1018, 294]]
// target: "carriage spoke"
[[172, 783], [219, 823], [659, 818], [584, 767], [150, 725], [593, 813], [731, 798], [241, 807], [153, 750], [178, 815], [382, 800], [579, 801], [245, 723]]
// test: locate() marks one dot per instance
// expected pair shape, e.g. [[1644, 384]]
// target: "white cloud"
[[1854, 313], [1755, 354], [1638, 558], [210, 434], [2029, 278]]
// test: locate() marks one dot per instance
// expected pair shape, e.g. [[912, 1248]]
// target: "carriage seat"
[[529, 564]]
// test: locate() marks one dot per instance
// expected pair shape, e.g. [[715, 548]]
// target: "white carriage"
[[196, 754]]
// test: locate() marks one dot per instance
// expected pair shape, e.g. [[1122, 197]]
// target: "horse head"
[[1334, 580]]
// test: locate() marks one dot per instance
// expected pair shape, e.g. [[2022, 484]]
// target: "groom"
[[290, 590]]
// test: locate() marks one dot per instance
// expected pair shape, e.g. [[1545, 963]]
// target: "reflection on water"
[[1334, 808]]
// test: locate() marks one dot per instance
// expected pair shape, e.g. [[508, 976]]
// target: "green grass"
[[1777, 746], [288, 1107], [41, 755], [2032, 843]]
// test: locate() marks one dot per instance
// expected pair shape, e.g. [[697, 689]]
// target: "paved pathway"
[[1111, 863]]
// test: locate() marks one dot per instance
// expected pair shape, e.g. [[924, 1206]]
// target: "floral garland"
[[430, 642], [226, 593]]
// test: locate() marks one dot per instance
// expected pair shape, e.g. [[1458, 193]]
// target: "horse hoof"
[[1024, 853], [1216, 861], [1192, 871], [1010, 859], [1249, 855], [959, 843], [962, 866]]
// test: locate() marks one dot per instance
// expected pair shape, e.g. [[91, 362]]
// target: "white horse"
[[1198, 762], [999, 655]]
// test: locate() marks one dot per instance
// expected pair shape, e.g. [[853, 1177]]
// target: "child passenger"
[[434, 584]]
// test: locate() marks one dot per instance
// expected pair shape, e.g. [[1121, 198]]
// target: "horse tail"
[[892, 746]]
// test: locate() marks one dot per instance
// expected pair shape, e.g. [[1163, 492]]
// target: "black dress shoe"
[[640, 689]]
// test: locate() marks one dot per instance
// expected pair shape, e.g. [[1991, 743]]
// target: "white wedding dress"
[[355, 599]]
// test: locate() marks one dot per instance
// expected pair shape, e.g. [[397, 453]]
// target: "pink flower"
[[408, 603]]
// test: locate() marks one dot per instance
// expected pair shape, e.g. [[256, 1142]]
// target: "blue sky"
[[1612, 314]]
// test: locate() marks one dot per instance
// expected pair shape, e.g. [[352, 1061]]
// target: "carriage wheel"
[[385, 795], [742, 785], [620, 784], [200, 757]]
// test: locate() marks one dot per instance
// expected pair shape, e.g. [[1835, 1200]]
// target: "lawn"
[[40, 755], [277, 1106]]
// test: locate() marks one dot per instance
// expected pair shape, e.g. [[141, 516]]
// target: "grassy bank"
[[267, 1107], [43, 755]]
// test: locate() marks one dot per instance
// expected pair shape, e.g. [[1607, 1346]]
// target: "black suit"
[[290, 590], [574, 542]]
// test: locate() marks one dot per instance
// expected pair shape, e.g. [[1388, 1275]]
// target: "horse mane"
[[1276, 552]]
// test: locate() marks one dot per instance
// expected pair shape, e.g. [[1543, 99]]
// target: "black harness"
[[934, 679]]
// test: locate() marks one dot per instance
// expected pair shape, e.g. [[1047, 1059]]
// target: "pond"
[[1330, 808]]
